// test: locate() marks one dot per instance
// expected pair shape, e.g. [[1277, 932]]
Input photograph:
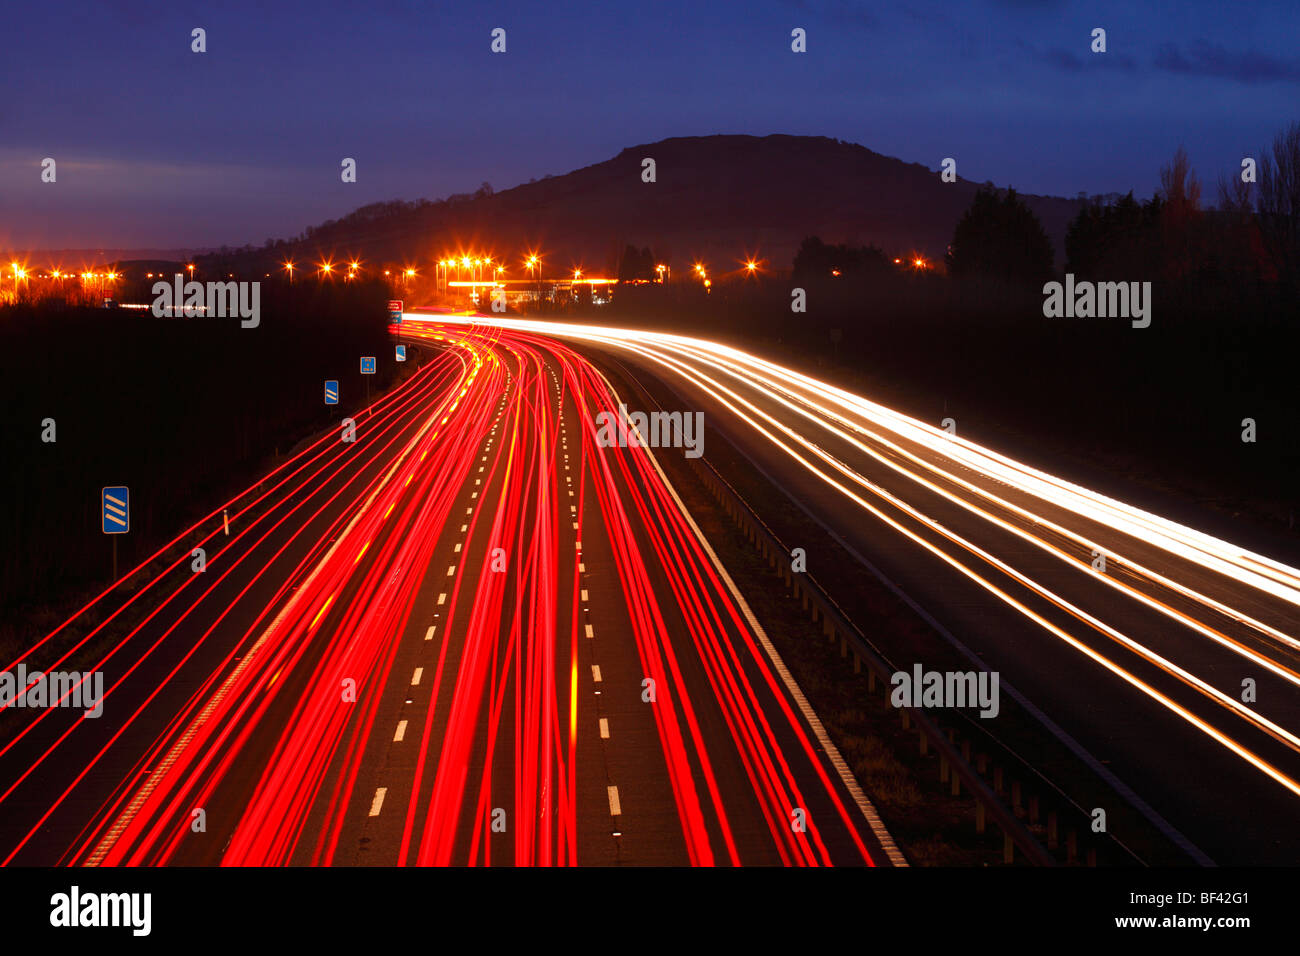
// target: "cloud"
[[1213, 59], [1062, 59]]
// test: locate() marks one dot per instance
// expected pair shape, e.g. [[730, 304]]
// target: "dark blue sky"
[[157, 146]]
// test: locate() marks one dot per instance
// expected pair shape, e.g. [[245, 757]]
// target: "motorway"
[[1171, 667], [471, 636]]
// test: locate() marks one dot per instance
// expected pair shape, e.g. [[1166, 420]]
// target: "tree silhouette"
[[999, 236], [1278, 204], [1104, 241], [816, 260]]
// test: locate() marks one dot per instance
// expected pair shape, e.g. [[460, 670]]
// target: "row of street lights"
[[484, 269]]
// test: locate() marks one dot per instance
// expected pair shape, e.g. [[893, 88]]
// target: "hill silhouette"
[[715, 197]]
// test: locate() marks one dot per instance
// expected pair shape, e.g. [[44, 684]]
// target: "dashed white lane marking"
[[464, 527], [442, 598], [415, 678], [614, 808], [469, 511], [595, 673], [584, 594], [457, 551], [575, 526], [582, 567], [590, 632], [401, 731], [377, 804], [604, 727], [478, 481], [428, 635], [578, 545], [474, 495], [451, 570]]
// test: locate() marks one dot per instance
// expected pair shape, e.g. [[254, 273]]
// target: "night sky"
[[157, 146]]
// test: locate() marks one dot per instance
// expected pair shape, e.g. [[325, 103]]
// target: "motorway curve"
[[471, 636], [1166, 658]]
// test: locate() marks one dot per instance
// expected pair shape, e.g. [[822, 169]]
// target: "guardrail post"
[[1033, 809], [1008, 848], [997, 780], [1072, 847], [1052, 841], [1015, 795], [979, 815]]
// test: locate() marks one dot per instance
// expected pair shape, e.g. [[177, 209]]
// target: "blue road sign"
[[115, 510], [367, 365], [332, 392], [401, 353]]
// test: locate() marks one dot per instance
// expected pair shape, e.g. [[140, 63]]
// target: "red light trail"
[[264, 691]]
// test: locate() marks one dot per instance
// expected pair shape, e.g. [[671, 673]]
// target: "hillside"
[[716, 198]]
